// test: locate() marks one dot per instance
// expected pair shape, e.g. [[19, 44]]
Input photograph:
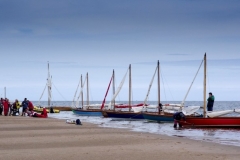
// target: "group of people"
[[179, 116], [8, 108]]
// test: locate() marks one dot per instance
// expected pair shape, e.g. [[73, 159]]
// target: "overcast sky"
[[79, 36]]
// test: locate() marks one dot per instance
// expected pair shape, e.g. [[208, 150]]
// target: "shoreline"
[[51, 138]]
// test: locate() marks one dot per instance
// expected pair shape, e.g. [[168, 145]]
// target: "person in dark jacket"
[[178, 116], [210, 103], [1, 106], [24, 106]]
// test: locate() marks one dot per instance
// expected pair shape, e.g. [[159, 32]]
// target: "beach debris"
[[73, 121]]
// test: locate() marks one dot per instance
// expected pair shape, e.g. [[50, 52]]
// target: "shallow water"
[[222, 136]]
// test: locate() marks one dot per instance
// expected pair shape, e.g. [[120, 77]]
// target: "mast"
[[204, 85], [75, 95], [49, 87], [158, 87], [81, 91], [87, 91], [118, 90], [113, 85], [130, 88]]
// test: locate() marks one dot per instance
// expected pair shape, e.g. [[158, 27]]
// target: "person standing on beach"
[[6, 105], [210, 103], [1, 106], [16, 106], [24, 105], [30, 106]]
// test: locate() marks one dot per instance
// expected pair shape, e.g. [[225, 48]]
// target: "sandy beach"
[[35, 138]]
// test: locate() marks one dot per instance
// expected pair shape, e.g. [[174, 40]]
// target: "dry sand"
[[35, 138]]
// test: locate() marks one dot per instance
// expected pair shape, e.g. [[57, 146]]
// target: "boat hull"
[[158, 117], [39, 110], [219, 122], [122, 114], [89, 112]]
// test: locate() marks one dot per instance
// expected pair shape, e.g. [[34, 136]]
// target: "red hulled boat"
[[205, 121]]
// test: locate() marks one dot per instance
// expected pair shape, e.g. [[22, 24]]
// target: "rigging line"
[[91, 95], [76, 92], [209, 88], [118, 96], [149, 88], [192, 83], [59, 92], [81, 92], [52, 99], [163, 86], [168, 87], [42, 94]]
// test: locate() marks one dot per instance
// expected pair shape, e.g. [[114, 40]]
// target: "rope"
[[59, 92], [163, 86], [42, 94], [168, 87], [76, 93], [192, 83], [90, 91], [208, 80]]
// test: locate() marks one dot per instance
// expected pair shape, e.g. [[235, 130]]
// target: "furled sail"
[[218, 113], [118, 90], [188, 110], [237, 110]]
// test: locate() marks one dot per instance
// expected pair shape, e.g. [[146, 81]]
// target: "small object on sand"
[[70, 121], [78, 122], [73, 121]]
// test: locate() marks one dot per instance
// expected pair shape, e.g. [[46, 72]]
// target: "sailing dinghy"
[[211, 119]]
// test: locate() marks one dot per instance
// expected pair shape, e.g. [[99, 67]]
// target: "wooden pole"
[[205, 85], [81, 91], [113, 85], [158, 87], [130, 87], [87, 92], [49, 94]]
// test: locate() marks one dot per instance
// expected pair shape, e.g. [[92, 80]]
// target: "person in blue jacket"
[[24, 106]]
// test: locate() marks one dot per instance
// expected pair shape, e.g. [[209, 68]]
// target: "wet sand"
[[38, 138]]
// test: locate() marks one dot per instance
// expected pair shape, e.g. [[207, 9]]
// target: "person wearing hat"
[[210, 102]]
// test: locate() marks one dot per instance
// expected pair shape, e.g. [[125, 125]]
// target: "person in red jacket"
[[30, 106], [42, 115], [6, 105]]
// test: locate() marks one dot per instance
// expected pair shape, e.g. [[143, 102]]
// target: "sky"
[[78, 37]]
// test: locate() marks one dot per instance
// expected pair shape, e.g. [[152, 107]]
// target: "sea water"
[[222, 136]]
